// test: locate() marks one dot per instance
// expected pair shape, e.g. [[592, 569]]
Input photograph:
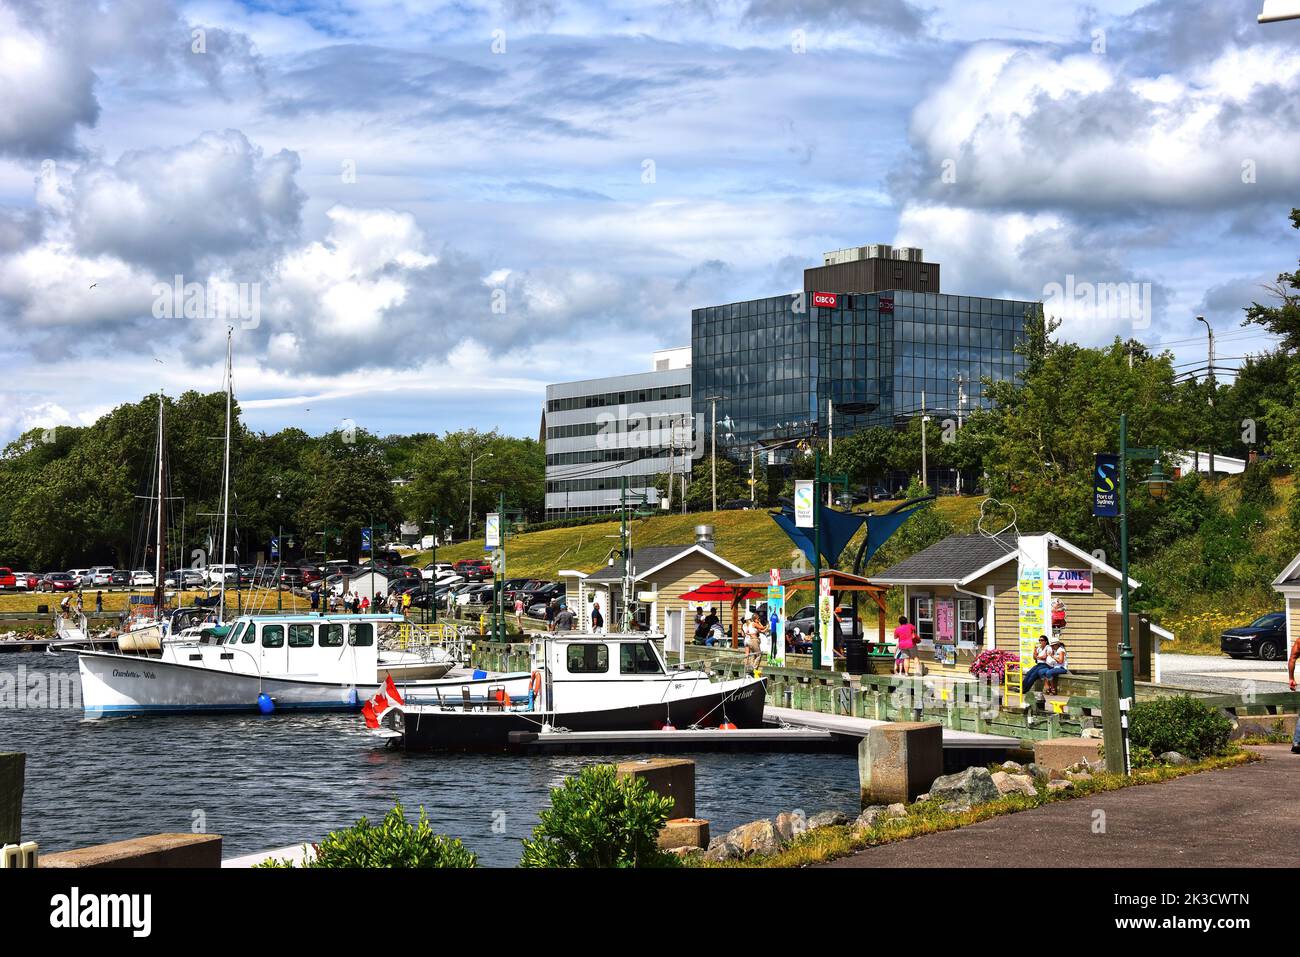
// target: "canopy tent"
[[838, 529], [718, 591]]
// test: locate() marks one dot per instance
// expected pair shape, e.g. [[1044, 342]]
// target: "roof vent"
[[704, 536]]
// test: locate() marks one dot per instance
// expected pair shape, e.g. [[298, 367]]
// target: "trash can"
[[856, 660]]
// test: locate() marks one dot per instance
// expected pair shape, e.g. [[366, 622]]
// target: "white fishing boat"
[[273, 662]]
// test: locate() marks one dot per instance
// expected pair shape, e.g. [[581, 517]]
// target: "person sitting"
[[1040, 668], [1057, 663], [716, 634]]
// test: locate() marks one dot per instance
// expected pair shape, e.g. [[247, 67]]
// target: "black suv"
[[1263, 638]]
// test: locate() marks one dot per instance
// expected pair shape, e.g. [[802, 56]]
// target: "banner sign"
[[1105, 485], [803, 503], [825, 623], [775, 641], [1034, 598], [1077, 580], [275, 548], [944, 621], [493, 539], [366, 536]]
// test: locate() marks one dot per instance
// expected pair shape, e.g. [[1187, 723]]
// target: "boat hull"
[[114, 684], [429, 729]]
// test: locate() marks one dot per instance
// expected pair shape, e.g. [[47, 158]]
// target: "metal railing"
[[422, 638]]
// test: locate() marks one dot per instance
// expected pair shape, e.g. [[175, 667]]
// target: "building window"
[[923, 616], [968, 621]]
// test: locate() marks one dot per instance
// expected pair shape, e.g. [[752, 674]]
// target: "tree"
[[864, 456]]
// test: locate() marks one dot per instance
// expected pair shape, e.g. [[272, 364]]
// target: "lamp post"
[[1158, 484], [1209, 330], [469, 525]]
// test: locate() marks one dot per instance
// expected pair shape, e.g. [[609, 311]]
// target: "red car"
[[27, 580], [57, 581], [7, 579]]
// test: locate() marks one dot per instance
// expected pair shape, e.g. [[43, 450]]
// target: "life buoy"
[[535, 683]]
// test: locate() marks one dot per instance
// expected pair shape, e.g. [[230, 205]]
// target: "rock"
[[1092, 733], [1174, 758], [686, 851], [1039, 773], [974, 786], [1012, 767], [955, 807], [827, 819], [1060, 785], [923, 797], [1014, 783], [869, 817], [720, 850], [756, 837], [896, 810], [790, 825], [1078, 776]]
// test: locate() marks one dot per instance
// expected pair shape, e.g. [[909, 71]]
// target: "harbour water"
[[285, 779]]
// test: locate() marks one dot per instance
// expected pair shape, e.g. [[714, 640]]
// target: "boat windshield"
[[638, 658]]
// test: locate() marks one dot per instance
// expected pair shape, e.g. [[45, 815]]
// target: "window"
[[967, 621], [233, 637], [588, 659], [637, 659], [302, 636], [273, 636], [331, 636], [923, 616], [250, 634], [362, 635]]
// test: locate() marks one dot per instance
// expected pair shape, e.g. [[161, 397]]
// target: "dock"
[[857, 728], [683, 741]]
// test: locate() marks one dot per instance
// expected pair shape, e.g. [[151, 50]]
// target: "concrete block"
[[670, 777], [155, 850], [1250, 725], [898, 761], [684, 832], [1057, 754]]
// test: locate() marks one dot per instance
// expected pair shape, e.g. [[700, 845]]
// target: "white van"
[[101, 576], [217, 572]]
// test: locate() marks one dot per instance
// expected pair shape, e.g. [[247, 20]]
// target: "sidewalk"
[[1239, 816]]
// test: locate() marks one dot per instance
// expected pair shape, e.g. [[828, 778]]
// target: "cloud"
[[49, 89], [895, 16]]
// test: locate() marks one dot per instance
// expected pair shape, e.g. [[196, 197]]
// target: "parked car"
[[545, 594], [80, 575], [142, 578], [805, 620], [737, 505], [120, 578], [26, 581], [58, 581], [183, 578], [1264, 638], [7, 578], [215, 574], [435, 570]]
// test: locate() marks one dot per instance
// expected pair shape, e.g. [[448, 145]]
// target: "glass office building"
[[774, 364]]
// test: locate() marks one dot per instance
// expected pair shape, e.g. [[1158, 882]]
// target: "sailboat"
[[145, 630]]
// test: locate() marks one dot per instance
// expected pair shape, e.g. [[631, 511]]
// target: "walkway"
[[1240, 816]]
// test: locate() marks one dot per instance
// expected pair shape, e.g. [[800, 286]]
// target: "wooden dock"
[[857, 728]]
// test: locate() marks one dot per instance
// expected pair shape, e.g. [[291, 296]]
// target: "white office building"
[[599, 431]]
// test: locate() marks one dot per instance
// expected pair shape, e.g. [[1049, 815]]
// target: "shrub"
[[1182, 724], [598, 820], [395, 842]]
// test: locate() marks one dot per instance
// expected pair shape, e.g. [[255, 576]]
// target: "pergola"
[[840, 582]]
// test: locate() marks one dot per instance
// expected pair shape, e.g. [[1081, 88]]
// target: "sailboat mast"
[[225, 482], [160, 542]]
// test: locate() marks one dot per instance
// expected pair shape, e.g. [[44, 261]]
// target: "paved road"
[[1222, 674], [1243, 816]]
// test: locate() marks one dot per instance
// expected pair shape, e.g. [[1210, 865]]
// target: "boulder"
[[1078, 776], [1012, 767], [896, 810], [756, 837], [1174, 758], [1014, 783], [686, 851], [870, 817], [790, 824], [1039, 773], [973, 786], [719, 850], [1091, 733], [955, 807], [1059, 785], [827, 819]]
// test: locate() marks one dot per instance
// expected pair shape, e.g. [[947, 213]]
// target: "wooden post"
[[12, 769], [1112, 733]]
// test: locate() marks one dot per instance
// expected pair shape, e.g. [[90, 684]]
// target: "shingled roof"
[[952, 559]]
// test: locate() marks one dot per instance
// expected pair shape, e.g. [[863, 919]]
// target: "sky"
[[415, 215]]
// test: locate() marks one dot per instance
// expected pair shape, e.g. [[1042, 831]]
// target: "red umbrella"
[[717, 591]]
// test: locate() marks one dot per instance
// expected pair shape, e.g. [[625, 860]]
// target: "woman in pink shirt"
[[905, 636]]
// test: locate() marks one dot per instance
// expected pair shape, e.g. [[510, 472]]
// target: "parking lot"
[[1221, 674]]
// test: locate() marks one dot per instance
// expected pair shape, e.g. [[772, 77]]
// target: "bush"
[[1182, 724], [393, 843], [597, 820]]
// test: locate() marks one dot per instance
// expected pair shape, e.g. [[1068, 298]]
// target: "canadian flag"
[[368, 712], [390, 689]]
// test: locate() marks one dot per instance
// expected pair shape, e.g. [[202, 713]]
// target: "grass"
[[927, 817], [115, 601]]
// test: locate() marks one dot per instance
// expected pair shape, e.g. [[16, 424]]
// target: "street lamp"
[[470, 520], [1158, 485]]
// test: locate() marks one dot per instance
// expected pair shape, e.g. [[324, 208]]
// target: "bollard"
[[12, 769], [1112, 732], [669, 777], [898, 761]]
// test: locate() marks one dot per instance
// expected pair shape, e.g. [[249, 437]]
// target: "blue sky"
[[439, 208]]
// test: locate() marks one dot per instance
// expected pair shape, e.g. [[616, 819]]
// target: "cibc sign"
[[827, 299]]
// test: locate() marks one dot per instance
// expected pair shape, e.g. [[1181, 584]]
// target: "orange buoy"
[[667, 726], [727, 726]]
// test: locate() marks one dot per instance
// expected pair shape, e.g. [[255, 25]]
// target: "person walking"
[[99, 603], [905, 638], [315, 600], [406, 602], [519, 612], [1290, 677]]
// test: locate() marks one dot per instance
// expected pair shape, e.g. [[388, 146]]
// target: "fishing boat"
[[616, 682], [272, 662]]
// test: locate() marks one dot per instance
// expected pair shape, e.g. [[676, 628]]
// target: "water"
[[269, 782]]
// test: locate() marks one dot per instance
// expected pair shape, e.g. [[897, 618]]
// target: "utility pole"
[[625, 551], [713, 439], [830, 445], [469, 531], [817, 560], [431, 603], [1210, 443]]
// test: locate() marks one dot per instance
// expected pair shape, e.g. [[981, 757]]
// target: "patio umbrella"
[[716, 591]]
